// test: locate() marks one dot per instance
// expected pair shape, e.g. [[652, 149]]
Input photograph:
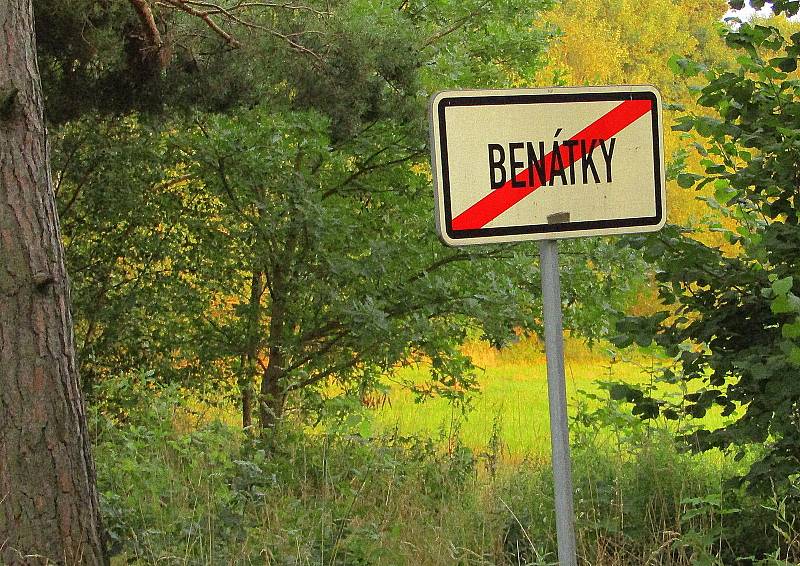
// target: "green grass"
[[512, 402], [512, 396], [212, 496]]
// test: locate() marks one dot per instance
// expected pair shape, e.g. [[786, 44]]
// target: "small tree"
[[325, 268], [733, 323]]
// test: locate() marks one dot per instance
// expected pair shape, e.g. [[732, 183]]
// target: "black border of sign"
[[506, 99]]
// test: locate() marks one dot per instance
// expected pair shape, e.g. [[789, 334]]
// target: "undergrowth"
[[179, 491]]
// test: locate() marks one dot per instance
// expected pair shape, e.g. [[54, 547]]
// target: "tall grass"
[[209, 494]]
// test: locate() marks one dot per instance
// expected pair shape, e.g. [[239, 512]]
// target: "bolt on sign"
[[532, 164]]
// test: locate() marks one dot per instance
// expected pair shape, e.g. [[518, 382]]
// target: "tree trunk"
[[273, 395], [247, 407], [251, 348], [246, 391], [49, 510]]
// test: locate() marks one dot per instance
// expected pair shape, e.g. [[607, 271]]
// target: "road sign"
[[532, 164]]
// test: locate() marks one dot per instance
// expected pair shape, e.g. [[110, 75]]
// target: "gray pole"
[[557, 394]]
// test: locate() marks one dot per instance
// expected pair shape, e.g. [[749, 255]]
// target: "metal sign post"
[[557, 397]]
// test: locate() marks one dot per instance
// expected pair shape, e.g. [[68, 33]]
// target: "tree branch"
[[460, 22], [239, 6], [324, 374], [145, 14], [185, 6], [365, 170], [211, 8], [324, 349]]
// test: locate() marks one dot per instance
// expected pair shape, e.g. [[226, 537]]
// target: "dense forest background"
[[279, 361]]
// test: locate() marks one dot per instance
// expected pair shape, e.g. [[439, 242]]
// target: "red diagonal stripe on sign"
[[503, 198]]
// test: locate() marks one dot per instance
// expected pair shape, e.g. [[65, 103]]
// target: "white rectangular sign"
[[531, 164]]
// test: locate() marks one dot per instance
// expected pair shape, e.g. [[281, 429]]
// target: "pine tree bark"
[[49, 512]]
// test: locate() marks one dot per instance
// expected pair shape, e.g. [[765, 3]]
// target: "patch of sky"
[[748, 12]]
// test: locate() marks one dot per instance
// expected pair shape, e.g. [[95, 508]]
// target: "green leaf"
[[791, 330], [787, 303], [785, 64], [623, 391], [683, 125], [724, 192], [683, 66], [782, 286], [794, 356], [622, 340], [687, 180]]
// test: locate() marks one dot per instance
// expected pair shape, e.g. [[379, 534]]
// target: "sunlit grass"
[[512, 403], [512, 398]]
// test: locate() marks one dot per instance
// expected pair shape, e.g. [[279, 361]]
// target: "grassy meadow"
[[512, 405]]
